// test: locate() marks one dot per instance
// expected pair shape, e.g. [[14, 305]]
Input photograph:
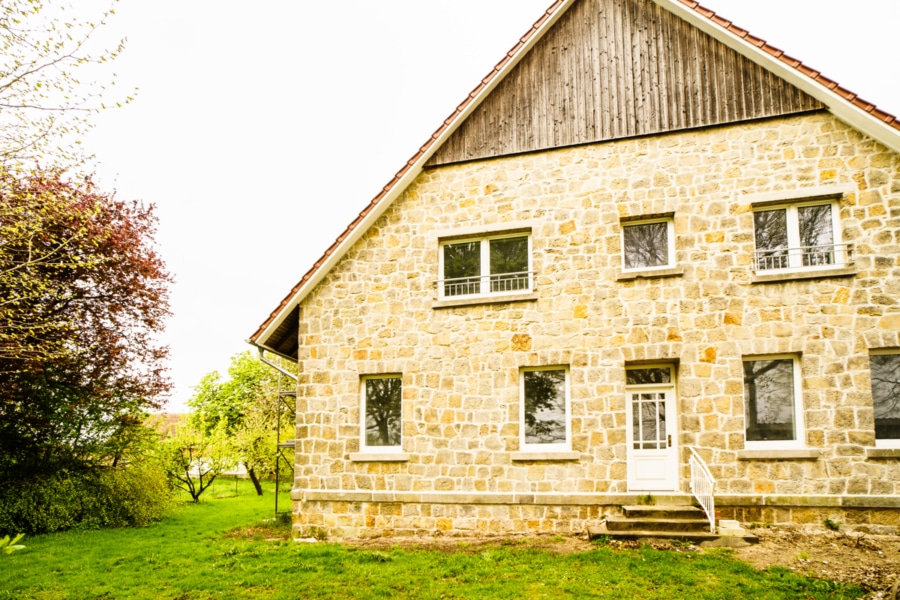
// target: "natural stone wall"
[[370, 519], [374, 313], [356, 515], [878, 515]]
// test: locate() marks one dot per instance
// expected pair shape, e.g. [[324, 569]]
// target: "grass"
[[225, 548]]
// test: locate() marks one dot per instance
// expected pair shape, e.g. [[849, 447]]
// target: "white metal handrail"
[[773, 259], [486, 284], [703, 486]]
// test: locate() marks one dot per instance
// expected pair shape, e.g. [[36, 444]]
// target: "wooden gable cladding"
[[610, 69]]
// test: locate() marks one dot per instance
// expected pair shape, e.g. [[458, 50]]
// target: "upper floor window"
[[381, 420], [885, 370], [772, 403], [799, 237], [546, 418], [489, 265], [648, 245]]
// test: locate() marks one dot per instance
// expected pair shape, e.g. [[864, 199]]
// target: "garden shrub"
[[133, 496]]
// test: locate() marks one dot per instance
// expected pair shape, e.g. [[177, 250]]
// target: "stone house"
[[646, 234]]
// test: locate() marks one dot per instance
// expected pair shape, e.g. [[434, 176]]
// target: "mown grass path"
[[195, 555]]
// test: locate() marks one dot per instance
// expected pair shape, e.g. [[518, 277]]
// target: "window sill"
[[545, 455], [379, 457], [489, 299], [882, 452], [649, 274], [779, 454], [811, 274]]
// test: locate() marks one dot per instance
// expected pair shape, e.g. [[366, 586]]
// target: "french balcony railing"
[[703, 486], [501, 283], [803, 258]]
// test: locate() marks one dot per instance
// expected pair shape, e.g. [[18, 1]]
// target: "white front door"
[[652, 434]]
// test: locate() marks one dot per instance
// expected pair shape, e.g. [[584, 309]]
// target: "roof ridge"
[[794, 63]]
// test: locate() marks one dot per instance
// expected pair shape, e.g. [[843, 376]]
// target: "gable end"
[[611, 69]]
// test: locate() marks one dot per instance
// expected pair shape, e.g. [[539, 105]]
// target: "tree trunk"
[[255, 480]]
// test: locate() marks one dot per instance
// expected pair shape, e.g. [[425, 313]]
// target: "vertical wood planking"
[[617, 68]]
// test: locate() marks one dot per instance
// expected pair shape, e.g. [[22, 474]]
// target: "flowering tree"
[[193, 458]]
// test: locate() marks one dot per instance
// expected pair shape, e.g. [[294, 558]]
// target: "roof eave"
[[410, 171], [270, 349], [847, 107]]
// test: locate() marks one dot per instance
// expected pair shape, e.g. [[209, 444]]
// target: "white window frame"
[[799, 440], [548, 447], [485, 261], [670, 241], [363, 445], [795, 251], [883, 442]]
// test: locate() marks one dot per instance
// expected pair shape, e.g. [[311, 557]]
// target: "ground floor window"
[[381, 421], [885, 371], [545, 409], [772, 402]]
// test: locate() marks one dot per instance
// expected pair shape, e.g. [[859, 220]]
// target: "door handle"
[[669, 439]]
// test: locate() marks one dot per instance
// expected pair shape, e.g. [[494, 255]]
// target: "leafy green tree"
[[246, 404]]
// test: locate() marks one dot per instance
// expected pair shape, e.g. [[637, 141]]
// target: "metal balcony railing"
[[703, 486], [803, 258], [486, 284]]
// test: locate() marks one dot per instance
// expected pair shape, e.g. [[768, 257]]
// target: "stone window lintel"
[[799, 195], [647, 217], [649, 274]]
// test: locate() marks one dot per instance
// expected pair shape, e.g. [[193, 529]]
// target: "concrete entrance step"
[[705, 539], [653, 524], [663, 511], [669, 522]]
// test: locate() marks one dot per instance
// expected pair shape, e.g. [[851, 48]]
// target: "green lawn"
[[197, 554]]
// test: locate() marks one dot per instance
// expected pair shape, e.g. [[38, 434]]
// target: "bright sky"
[[261, 129]]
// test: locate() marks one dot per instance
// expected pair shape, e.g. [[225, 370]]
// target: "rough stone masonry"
[[376, 313]]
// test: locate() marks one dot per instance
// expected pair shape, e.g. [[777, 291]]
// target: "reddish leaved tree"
[[83, 299]]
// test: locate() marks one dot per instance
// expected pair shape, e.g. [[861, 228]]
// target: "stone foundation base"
[[365, 515], [878, 515], [389, 519]]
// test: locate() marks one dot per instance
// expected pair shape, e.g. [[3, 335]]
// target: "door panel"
[[652, 452]]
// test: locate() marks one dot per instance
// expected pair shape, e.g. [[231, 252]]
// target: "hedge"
[[131, 496]]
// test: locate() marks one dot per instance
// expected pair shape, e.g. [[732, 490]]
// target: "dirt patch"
[[555, 543], [869, 561]]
